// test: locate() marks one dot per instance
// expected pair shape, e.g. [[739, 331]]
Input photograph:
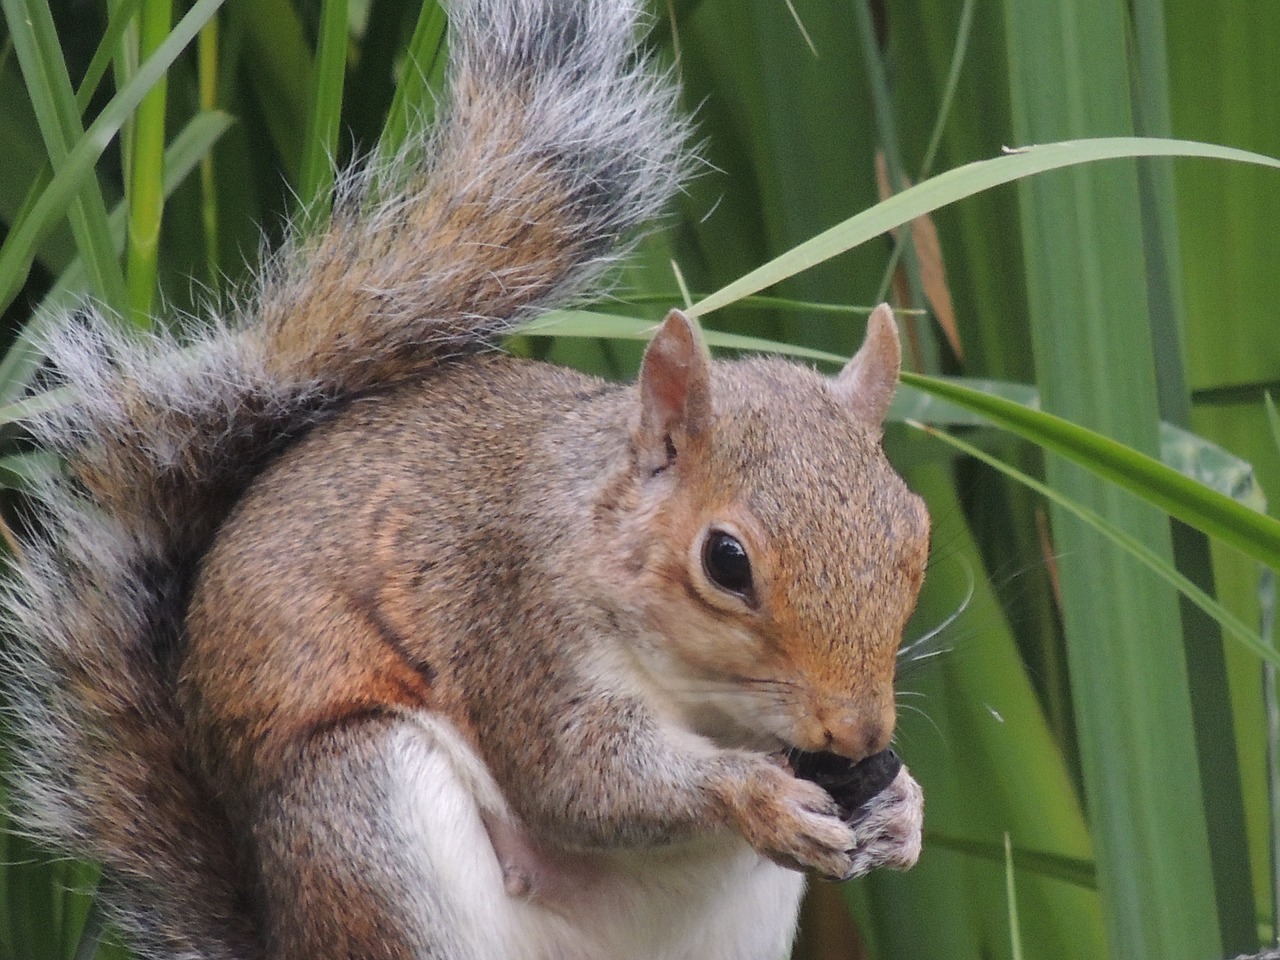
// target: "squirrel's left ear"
[[675, 392], [867, 382]]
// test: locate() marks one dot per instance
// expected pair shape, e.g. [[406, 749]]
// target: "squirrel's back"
[[557, 142]]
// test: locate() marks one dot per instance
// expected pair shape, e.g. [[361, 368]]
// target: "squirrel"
[[344, 635]]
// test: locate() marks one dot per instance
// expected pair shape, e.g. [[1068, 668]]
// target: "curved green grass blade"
[[20, 245], [584, 323], [1253, 533], [97, 68], [35, 40], [1137, 548], [955, 185], [191, 145]]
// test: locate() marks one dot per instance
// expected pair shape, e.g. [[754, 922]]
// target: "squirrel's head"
[[773, 553]]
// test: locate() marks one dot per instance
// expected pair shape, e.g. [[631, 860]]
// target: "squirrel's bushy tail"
[[557, 141]]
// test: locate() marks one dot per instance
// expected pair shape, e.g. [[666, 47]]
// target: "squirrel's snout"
[[854, 733]]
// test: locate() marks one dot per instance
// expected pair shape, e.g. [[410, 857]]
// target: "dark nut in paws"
[[851, 785]]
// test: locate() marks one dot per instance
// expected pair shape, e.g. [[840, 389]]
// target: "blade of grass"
[[282, 72], [935, 137], [321, 146], [1271, 707], [1135, 547], [887, 136], [1015, 935], [22, 359], [1090, 321], [146, 170], [207, 83], [1207, 669], [1222, 66], [413, 107], [1073, 870], [77, 170], [35, 41], [1253, 533], [119, 21], [956, 184]]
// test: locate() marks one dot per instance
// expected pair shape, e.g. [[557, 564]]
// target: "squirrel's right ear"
[[867, 382], [675, 393]]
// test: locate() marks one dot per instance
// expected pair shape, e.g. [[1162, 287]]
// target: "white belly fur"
[[711, 899]]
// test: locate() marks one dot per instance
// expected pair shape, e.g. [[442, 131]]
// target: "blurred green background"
[[1064, 697]]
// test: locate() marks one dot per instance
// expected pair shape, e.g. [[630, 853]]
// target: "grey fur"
[[558, 143]]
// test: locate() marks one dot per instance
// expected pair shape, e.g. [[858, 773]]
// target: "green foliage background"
[[1065, 696]]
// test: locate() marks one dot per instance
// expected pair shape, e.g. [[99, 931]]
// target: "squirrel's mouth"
[[851, 785]]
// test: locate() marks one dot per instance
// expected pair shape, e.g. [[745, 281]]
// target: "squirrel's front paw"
[[793, 822], [888, 828]]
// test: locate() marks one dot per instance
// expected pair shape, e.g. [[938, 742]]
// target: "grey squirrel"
[[344, 636]]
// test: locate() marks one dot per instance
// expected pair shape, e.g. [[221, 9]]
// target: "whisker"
[[921, 657], [908, 652], [933, 723]]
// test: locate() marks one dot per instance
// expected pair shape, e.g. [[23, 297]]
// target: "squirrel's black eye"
[[724, 559]]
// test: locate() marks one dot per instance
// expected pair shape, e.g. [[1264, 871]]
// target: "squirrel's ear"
[[675, 392], [867, 382]]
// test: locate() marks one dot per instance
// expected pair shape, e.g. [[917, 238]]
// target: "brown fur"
[[412, 529]]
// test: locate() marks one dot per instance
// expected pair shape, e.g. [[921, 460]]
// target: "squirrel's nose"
[[856, 734]]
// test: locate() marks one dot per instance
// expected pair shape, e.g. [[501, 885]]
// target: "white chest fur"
[[712, 899]]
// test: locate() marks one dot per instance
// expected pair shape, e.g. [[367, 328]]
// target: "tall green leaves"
[[1082, 238]]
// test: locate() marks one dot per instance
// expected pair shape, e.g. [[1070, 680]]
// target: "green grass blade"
[[97, 68], [958, 184], [35, 41], [1207, 667], [413, 106], [888, 142], [583, 323], [146, 170], [1139, 550], [321, 145], [77, 170], [1089, 309], [118, 22], [958, 52], [1253, 533], [1015, 934], [22, 359], [282, 73], [207, 92], [1271, 708], [1073, 870]]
